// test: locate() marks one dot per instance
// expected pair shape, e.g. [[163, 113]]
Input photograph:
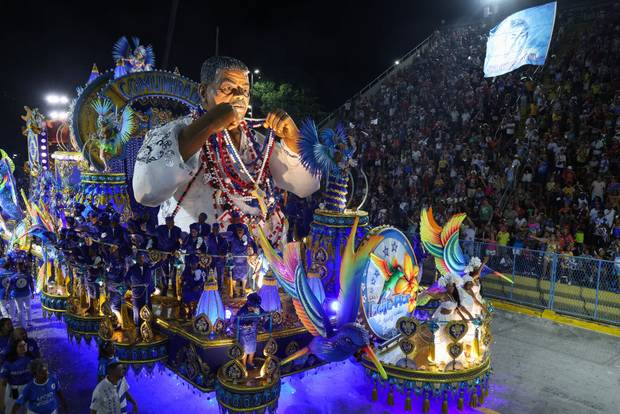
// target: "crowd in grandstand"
[[533, 156]]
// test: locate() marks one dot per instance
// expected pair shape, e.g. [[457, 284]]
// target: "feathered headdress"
[[123, 50], [113, 130]]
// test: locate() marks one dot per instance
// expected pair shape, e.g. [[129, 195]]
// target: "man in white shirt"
[[214, 162], [112, 393]]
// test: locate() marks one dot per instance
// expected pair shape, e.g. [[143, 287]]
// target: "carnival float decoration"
[[113, 131], [344, 291], [130, 56], [330, 343], [107, 122], [440, 355]]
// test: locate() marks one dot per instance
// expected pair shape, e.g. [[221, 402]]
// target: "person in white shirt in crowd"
[[598, 188]]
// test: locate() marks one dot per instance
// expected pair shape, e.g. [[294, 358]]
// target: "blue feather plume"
[[121, 49], [316, 154]]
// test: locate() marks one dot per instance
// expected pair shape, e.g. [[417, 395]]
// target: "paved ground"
[[539, 367]]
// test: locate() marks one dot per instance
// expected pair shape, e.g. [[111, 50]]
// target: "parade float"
[[91, 165], [345, 291], [427, 344]]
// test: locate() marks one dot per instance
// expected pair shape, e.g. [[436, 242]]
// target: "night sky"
[[332, 47]]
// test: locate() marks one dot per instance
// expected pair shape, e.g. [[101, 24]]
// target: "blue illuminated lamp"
[[210, 301], [270, 298]]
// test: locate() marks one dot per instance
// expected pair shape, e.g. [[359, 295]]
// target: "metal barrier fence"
[[579, 286]]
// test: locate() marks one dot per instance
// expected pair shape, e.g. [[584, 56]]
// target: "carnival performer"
[[22, 291], [249, 318], [107, 352], [14, 375], [451, 308], [168, 239], [471, 285], [41, 395], [91, 260], [141, 281], [235, 222], [204, 228], [17, 255], [214, 162], [116, 268], [21, 334], [6, 305], [241, 246], [6, 330], [454, 294], [217, 247], [192, 282], [194, 243], [114, 234], [64, 248], [93, 225]]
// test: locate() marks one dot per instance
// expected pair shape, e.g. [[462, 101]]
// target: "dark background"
[[331, 47]]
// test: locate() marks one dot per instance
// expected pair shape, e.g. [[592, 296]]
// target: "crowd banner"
[[522, 38]]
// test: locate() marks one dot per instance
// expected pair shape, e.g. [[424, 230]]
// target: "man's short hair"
[[214, 63], [36, 365]]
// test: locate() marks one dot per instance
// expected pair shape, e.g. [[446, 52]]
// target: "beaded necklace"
[[224, 170]]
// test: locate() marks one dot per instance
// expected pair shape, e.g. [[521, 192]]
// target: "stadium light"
[[397, 62], [54, 99]]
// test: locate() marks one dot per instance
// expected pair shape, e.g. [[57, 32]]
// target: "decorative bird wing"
[[290, 273], [123, 126], [443, 244], [127, 126], [316, 156], [121, 49], [382, 266], [433, 291], [40, 222], [452, 254], [411, 271], [149, 58], [283, 267], [308, 308], [430, 235], [351, 267]]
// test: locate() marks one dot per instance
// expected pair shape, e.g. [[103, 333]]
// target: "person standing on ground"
[[112, 393], [22, 291], [14, 375], [6, 304], [42, 394]]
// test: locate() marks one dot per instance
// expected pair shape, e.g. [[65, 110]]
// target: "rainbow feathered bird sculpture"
[[443, 244], [331, 343]]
